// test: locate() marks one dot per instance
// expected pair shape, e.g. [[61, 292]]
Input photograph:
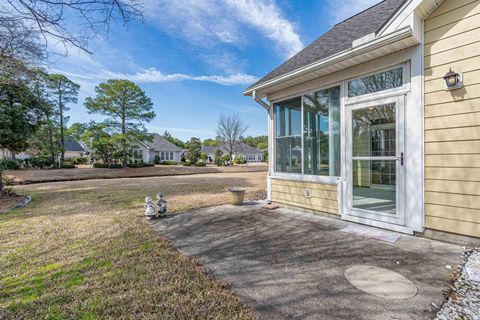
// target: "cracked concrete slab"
[[291, 265]]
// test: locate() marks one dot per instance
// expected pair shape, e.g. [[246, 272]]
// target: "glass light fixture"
[[453, 80]]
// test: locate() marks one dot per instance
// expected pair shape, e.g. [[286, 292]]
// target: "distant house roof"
[[240, 147], [159, 143], [339, 38], [73, 145], [210, 149]]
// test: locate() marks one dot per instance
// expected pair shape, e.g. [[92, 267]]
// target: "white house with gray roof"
[[159, 146], [250, 154]]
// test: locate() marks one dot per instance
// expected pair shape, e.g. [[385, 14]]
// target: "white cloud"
[[152, 75], [209, 22], [267, 17], [344, 9]]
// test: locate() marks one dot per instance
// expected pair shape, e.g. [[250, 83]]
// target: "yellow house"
[[378, 121]]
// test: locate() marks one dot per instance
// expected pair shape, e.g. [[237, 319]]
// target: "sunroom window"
[[321, 132], [288, 136], [376, 82]]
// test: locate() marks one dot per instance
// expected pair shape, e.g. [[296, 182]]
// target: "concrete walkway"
[[291, 265]]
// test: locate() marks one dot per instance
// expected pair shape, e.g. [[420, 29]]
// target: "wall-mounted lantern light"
[[453, 80]]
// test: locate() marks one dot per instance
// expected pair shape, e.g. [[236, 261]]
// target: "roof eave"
[[391, 38]]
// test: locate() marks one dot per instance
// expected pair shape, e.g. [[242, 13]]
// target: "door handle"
[[401, 158]]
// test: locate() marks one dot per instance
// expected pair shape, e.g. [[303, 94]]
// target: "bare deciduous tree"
[[56, 19], [229, 129]]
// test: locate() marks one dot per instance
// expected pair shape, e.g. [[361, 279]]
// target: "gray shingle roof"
[[240, 147], [339, 38], [161, 144], [73, 146], [210, 149]]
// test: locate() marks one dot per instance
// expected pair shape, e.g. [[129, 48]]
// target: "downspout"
[[260, 101], [270, 144]]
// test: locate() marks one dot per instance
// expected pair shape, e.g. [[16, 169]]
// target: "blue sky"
[[195, 57]]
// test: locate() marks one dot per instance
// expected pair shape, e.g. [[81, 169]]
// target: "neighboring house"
[[159, 146], [363, 126], [4, 153], [75, 149], [250, 154]]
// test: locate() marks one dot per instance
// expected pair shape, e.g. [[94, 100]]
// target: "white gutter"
[[260, 101], [379, 42]]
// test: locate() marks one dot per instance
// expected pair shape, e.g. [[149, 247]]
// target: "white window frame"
[[335, 180], [380, 94]]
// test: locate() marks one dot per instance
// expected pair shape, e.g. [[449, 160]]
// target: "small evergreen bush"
[[9, 164], [100, 165], [169, 163], [200, 164]]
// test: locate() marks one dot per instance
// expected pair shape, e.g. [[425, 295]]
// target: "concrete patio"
[[291, 265]]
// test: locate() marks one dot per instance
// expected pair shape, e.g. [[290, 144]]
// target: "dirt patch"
[[9, 201], [87, 173]]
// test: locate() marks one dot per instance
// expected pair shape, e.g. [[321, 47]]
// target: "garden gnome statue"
[[161, 204], [150, 210]]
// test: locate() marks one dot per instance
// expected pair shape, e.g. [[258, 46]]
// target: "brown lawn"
[[86, 173], [83, 250]]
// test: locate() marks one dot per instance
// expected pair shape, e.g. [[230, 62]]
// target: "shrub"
[[7, 181], [219, 162], [168, 163], [240, 160], [186, 164], [115, 166], [100, 165], [8, 164], [68, 166], [200, 164], [39, 162], [81, 160], [139, 165], [156, 160]]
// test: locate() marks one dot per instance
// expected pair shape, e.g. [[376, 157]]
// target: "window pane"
[[288, 137], [288, 117], [321, 134], [374, 186], [289, 154], [377, 82], [373, 131]]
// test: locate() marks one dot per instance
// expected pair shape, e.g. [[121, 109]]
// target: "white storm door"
[[375, 160]]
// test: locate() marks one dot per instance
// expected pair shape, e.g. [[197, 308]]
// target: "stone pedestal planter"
[[237, 195]]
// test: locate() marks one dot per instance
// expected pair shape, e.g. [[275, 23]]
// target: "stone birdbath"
[[237, 195]]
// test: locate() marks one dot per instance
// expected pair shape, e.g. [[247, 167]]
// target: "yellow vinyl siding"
[[323, 197], [437, 72], [453, 161], [447, 6], [452, 119], [452, 186], [453, 134]]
